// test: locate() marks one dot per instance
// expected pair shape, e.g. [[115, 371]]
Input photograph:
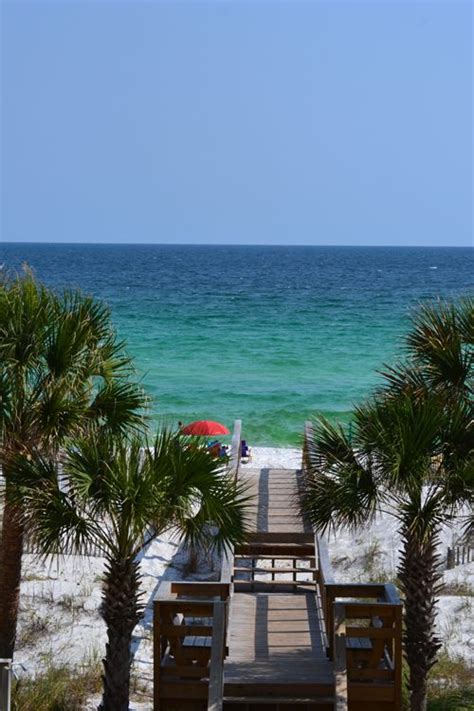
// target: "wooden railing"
[[5, 684], [276, 570], [235, 449], [190, 628], [368, 654], [363, 625], [308, 428], [458, 555], [218, 653], [189, 643], [340, 663]]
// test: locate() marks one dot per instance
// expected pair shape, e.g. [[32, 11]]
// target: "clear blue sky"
[[237, 122]]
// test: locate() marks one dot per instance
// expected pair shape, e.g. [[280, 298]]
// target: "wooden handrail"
[[324, 561], [235, 450], [381, 638], [340, 658], [307, 432], [227, 577], [364, 653], [382, 593], [227, 566], [379, 643], [200, 588], [216, 667], [5, 684], [325, 577]]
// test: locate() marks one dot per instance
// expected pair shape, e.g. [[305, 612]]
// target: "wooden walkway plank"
[[281, 594], [274, 515]]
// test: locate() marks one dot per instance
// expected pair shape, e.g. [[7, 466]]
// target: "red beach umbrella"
[[203, 428]]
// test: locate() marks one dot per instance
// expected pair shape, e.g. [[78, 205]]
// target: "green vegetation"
[[120, 493], [451, 685], [65, 393], [410, 453], [63, 373], [57, 689]]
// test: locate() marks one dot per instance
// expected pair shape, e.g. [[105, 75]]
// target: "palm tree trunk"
[[419, 577], [11, 551], [121, 611]]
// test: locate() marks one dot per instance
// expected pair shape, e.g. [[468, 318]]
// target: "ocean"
[[271, 335]]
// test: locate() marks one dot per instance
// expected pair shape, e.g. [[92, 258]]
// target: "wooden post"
[[397, 656], [329, 606], [216, 667], [450, 558], [340, 661], [307, 432], [235, 449], [156, 655], [5, 684]]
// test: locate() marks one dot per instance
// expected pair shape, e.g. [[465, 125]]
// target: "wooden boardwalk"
[[290, 637], [277, 637], [275, 510]]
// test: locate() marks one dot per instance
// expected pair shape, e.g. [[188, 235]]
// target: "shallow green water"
[[268, 334]]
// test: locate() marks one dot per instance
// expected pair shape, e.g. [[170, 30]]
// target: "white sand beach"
[[60, 623]]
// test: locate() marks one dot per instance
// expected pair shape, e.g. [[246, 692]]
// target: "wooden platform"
[[274, 515], [276, 638], [291, 638]]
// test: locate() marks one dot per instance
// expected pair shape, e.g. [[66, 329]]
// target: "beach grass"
[[57, 689], [451, 684]]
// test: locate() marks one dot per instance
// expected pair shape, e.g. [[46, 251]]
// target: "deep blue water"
[[268, 334]]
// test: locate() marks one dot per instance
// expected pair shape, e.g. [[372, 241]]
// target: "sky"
[[245, 122]]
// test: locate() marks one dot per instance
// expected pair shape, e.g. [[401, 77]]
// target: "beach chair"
[[245, 452]]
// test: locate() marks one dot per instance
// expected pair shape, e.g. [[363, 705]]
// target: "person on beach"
[[245, 452]]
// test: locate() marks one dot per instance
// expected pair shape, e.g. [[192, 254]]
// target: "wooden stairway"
[[271, 567], [278, 704], [275, 618], [277, 632]]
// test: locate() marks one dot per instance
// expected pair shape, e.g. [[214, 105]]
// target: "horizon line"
[[240, 244]]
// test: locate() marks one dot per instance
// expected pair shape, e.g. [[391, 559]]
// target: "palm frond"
[[436, 342], [341, 490], [198, 492], [401, 436], [422, 516], [50, 514], [119, 405], [403, 378]]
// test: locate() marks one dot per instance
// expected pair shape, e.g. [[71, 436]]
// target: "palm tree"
[[62, 372], [411, 455], [120, 495]]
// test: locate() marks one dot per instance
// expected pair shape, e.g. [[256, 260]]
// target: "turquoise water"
[[268, 334]]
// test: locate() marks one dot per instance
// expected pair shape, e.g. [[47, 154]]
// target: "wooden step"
[[269, 556], [275, 550], [235, 706], [272, 583], [275, 570], [293, 536], [316, 700]]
